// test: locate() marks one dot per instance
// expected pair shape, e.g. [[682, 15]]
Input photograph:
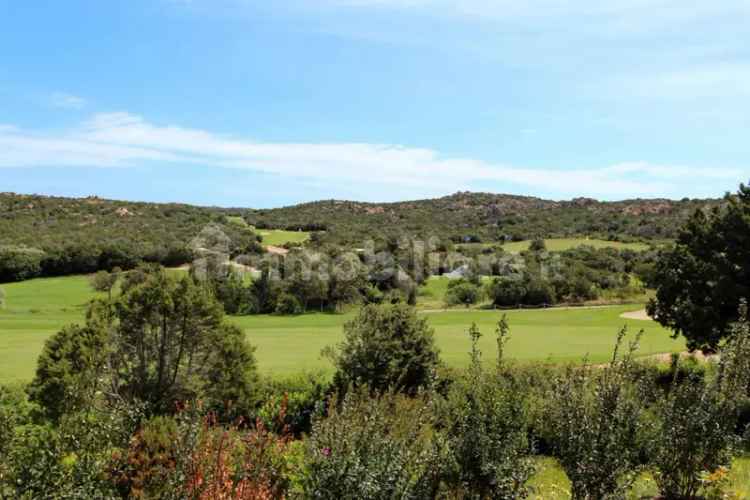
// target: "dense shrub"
[[19, 263], [373, 447], [190, 456], [697, 419], [462, 292], [386, 347], [65, 460], [288, 304], [694, 436], [506, 292], [147, 468], [69, 370], [238, 464], [485, 424], [596, 422], [298, 396]]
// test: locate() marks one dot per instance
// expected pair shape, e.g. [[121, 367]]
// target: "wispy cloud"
[[64, 100], [123, 139]]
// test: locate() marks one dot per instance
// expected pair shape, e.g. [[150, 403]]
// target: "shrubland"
[[155, 397]]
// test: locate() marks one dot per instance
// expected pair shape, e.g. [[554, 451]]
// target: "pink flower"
[[326, 451]]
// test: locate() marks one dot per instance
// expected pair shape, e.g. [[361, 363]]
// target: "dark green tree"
[[506, 291], [462, 292], [386, 347], [69, 369], [702, 279], [537, 245], [163, 340]]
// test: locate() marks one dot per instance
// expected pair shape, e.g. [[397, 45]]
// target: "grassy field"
[[550, 482], [561, 244], [278, 237], [36, 309]]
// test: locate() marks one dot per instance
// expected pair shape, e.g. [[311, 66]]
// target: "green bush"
[[69, 369], [288, 304], [67, 460], [695, 435], [292, 401], [374, 448], [596, 423], [19, 263], [462, 292], [505, 292], [15, 411], [485, 426], [697, 419], [386, 347]]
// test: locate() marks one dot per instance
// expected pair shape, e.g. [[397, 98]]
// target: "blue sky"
[[250, 103]]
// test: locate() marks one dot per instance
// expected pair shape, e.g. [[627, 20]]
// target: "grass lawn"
[[278, 237], [550, 482], [561, 244], [36, 309]]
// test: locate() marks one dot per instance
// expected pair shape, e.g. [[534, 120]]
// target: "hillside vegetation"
[[484, 217], [48, 236]]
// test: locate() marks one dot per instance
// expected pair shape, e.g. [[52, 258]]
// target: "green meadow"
[[562, 244], [277, 237], [36, 309]]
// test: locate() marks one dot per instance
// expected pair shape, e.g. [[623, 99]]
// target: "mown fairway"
[[36, 309], [278, 237], [562, 244]]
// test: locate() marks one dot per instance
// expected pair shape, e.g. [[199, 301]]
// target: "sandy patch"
[[276, 250], [641, 315]]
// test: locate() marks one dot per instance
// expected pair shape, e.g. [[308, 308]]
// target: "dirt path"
[[641, 315], [276, 250]]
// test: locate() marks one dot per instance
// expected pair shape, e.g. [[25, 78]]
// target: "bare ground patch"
[[641, 315]]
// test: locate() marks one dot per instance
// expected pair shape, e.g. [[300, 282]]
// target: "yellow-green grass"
[[561, 244], [36, 309], [277, 237], [549, 482]]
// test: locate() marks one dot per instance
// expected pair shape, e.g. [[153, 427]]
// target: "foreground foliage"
[[163, 340]]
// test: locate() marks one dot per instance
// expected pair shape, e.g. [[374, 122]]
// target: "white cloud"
[[66, 101], [123, 139]]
